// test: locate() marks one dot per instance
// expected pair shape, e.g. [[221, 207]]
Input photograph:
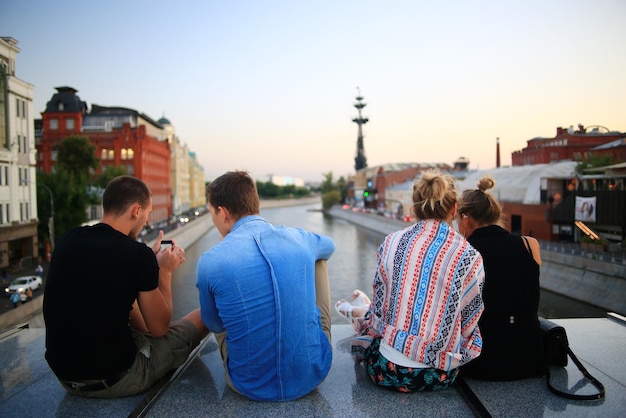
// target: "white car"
[[20, 284]]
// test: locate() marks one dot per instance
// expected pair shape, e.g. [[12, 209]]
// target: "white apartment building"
[[18, 187]]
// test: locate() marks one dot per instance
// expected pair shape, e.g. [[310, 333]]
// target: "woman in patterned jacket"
[[422, 323]]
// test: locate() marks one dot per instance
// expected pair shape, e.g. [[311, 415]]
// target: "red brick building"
[[567, 145], [122, 137]]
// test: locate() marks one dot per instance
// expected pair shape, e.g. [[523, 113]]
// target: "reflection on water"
[[351, 266]]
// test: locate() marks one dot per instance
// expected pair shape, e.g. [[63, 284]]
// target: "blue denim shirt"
[[258, 284]]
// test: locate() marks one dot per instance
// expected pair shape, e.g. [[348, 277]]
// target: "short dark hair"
[[236, 191], [122, 192]]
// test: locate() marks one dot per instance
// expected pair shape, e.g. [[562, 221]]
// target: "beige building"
[[18, 187], [197, 195], [179, 170]]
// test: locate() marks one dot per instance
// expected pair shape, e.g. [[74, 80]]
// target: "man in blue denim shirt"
[[262, 297]]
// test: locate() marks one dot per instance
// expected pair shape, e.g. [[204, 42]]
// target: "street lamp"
[[51, 220]]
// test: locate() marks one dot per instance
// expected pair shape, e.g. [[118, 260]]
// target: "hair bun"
[[485, 183]]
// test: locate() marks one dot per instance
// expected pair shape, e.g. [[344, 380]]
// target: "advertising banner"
[[585, 209]]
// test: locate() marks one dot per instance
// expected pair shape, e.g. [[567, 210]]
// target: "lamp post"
[[51, 220]]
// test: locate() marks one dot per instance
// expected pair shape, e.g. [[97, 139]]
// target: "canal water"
[[351, 267]]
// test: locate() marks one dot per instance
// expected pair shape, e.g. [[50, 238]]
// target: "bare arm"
[[136, 319], [535, 248]]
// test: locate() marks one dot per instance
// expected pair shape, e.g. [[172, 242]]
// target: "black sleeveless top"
[[512, 341]]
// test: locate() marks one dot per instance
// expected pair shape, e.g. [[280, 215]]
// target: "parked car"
[[20, 284]]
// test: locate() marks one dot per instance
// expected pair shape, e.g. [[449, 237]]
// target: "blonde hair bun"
[[485, 183]]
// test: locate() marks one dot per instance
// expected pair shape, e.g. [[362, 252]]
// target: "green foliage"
[[269, 190], [103, 179], [71, 199], [70, 186], [77, 155], [327, 184], [330, 198], [593, 161], [333, 193]]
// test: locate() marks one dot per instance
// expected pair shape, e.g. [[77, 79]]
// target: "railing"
[[615, 255]]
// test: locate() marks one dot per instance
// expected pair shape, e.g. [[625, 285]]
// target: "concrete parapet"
[[23, 312]]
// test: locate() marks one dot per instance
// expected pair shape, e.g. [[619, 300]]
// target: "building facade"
[[567, 145], [197, 186], [179, 169], [123, 138], [18, 187]]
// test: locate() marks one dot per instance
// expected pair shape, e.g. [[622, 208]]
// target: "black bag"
[[554, 343], [556, 348]]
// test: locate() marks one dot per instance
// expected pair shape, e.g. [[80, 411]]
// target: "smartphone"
[[166, 243]]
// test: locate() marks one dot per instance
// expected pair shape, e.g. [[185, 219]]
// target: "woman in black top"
[[512, 342]]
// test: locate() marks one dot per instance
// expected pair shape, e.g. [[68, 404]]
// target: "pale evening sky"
[[269, 86]]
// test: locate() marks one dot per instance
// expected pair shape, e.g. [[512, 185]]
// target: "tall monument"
[[360, 161]]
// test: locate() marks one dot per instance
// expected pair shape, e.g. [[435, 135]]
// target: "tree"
[[331, 198], [327, 184], [77, 155], [342, 185], [69, 184], [593, 161], [103, 179], [333, 193]]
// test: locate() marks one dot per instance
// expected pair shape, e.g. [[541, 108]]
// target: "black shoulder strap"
[[527, 244], [585, 373]]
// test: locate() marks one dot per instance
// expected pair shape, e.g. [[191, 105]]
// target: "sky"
[[269, 86]]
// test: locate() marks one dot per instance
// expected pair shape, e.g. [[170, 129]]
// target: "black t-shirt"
[[94, 277], [512, 341]]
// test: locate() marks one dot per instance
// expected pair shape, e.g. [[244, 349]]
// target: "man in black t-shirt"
[[108, 302]]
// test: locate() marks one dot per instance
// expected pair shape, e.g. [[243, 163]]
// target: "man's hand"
[[157, 244], [170, 258]]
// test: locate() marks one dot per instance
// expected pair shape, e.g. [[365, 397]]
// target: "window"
[[69, 124], [54, 124], [107, 154], [61, 106], [24, 109], [128, 153], [53, 155], [19, 143], [7, 213]]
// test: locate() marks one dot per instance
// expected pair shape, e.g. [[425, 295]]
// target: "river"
[[351, 267]]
